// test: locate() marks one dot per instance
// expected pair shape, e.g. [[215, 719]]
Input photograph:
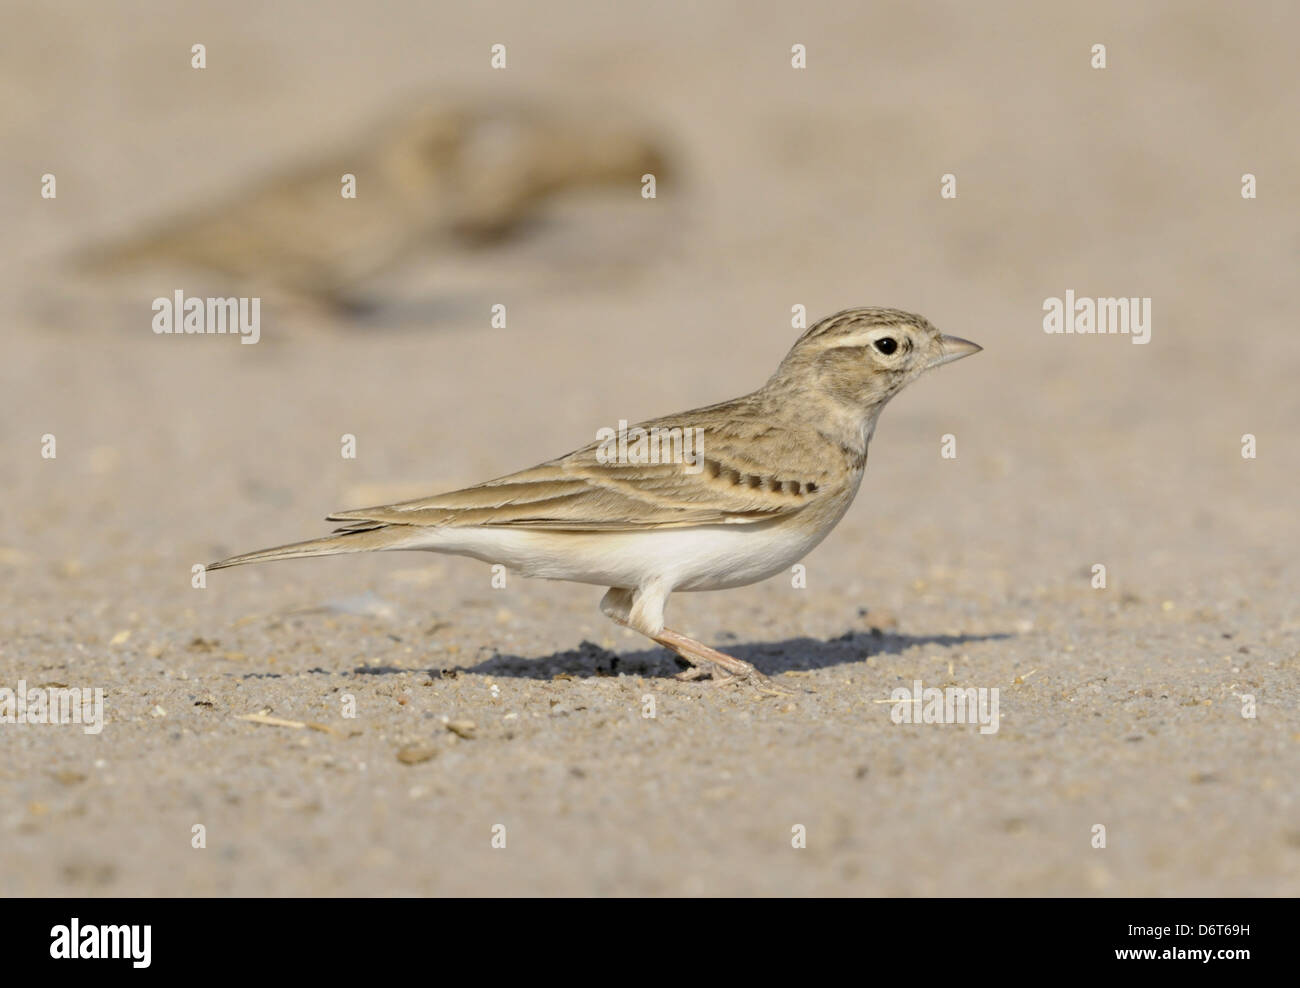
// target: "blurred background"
[[775, 187]]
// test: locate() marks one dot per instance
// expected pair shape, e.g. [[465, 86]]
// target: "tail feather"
[[372, 539]]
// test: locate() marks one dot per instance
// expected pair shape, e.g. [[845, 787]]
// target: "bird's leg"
[[620, 606], [697, 652]]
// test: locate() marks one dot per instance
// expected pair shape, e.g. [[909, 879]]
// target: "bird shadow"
[[772, 658], [592, 660]]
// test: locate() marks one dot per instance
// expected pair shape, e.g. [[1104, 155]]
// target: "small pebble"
[[414, 754]]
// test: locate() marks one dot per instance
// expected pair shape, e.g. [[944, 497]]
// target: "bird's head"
[[863, 357]]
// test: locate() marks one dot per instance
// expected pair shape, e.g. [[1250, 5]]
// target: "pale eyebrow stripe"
[[860, 339]]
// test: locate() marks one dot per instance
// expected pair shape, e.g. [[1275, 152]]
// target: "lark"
[[446, 175], [770, 475]]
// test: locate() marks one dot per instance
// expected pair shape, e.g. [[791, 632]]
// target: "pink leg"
[[696, 653]]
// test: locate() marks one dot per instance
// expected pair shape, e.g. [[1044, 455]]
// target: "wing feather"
[[579, 492]]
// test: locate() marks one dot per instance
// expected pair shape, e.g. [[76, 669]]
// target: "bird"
[[751, 486], [445, 174]]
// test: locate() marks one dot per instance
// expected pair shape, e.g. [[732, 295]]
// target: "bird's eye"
[[886, 345]]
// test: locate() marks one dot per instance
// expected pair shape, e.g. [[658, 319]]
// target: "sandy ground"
[[1120, 707]]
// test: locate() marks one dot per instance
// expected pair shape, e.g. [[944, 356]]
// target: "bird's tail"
[[375, 538]]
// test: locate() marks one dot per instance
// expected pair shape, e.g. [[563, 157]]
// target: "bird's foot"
[[691, 674], [727, 670]]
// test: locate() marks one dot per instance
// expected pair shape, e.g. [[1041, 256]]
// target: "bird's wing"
[[594, 489]]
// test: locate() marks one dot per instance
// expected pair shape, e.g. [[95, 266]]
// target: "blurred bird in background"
[[449, 175]]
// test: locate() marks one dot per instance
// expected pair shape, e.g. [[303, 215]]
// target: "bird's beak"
[[954, 348]]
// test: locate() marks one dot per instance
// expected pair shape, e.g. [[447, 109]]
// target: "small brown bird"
[[764, 479], [455, 174]]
